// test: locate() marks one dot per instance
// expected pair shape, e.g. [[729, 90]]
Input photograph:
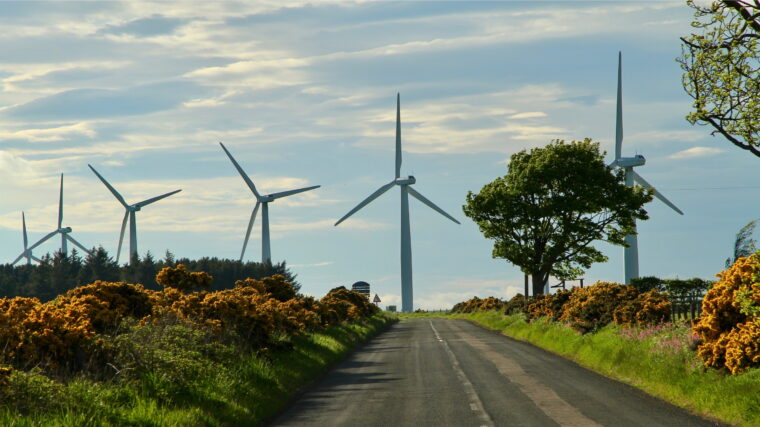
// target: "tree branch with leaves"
[[721, 64]]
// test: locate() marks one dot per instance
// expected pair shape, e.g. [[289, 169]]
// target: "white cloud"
[[696, 152], [50, 134], [528, 115]]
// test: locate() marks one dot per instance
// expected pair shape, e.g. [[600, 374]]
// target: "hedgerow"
[[93, 329]]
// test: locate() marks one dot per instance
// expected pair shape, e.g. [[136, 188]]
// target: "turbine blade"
[[155, 199], [23, 229], [242, 173], [42, 240], [657, 194], [366, 201], [248, 231], [398, 135], [110, 188], [121, 235], [291, 192], [619, 115], [36, 259], [60, 204], [23, 254], [430, 204], [74, 241]]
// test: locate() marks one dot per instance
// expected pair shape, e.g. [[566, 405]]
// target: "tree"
[[552, 204], [722, 70], [744, 245]]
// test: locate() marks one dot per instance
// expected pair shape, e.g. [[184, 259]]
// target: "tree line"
[[58, 272]]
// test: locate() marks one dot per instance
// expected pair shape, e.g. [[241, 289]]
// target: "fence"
[[687, 306]]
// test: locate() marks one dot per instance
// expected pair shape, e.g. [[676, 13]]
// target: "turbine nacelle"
[[629, 162], [409, 180], [64, 230]]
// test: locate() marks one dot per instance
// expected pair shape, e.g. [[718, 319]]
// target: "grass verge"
[[236, 389], [672, 374]]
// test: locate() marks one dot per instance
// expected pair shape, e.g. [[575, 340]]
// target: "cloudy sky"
[[304, 94]]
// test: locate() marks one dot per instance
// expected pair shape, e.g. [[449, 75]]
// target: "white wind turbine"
[[27, 252], [129, 213], [631, 252], [63, 231], [262, 201], [407, 303]]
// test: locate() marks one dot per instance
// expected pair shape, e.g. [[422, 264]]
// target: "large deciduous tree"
[[721, 64], [552, 204]]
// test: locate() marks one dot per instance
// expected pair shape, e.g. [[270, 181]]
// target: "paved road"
[[439, 372]]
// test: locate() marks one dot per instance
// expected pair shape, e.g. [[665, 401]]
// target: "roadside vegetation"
[[117, 353], [709, 365]]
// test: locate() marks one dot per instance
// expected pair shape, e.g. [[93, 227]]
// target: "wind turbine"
[[631, 252], [407, 303], [262, 201], [27, 252], [129, 213], [63, 231]]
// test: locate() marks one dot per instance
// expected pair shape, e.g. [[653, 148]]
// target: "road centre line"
[[475, 403], [544, 397]]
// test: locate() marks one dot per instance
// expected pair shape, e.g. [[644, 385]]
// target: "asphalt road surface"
[[440, 372]]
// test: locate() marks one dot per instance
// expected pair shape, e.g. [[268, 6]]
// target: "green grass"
[[675, 375], [230, 389]]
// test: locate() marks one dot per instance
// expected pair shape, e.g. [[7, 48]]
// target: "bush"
[[517, 304], [183, 280], [342, 304], [476, 304], [728, 323], [548, 305], [649, 308], [591, 308]]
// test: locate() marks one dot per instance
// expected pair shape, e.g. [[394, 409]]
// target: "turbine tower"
[[129, 214], [63, 231], [27, 252], [262, 201], [631, 252], [405, 183]]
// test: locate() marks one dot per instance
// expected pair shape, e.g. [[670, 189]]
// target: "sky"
[[304, 93]]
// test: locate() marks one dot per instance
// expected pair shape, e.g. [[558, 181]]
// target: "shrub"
[[728, 324], [342, 304], [476, 304], [649, 308], [548, 305], [591, 308], [516, 304], [183, 280], [106, 303]]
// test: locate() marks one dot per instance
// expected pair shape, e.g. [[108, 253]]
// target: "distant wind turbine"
[[407, 303], [262, 201], [63, 231], [129, 214], [631, 252], [27, 252]]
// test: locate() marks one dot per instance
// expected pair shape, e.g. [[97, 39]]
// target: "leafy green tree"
[[744, 245], [721, 64], [552, 204]]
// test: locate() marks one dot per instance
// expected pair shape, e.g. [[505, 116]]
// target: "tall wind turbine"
[[407, 303], [63, 231], [129, 213], [27, 252], [631, 252], [263, 201]]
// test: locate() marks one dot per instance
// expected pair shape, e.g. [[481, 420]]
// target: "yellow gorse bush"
[[729, 326], [60, 334]]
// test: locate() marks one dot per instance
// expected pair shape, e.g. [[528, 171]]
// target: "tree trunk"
[[539, 281]]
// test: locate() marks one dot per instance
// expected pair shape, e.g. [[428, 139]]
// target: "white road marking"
[[475, 404]]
